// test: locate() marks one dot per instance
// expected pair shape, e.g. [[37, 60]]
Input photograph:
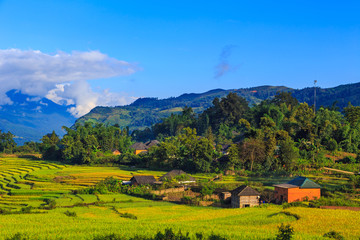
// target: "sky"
[[90, 53]]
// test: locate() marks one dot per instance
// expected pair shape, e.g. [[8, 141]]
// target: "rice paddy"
[[26, 182]]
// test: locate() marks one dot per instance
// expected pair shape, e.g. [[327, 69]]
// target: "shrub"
[[285, 232], [128, 215], [26, 209], [293, 204], [108, 237], [334, 235], [170, 235], [18, 236], [70, 214], [48, 204], [348, 160], [207, 189]]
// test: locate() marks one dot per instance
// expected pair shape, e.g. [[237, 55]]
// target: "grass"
[[115, 213]]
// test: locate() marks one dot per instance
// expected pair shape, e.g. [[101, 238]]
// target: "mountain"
[[29, 118], [146, 111]]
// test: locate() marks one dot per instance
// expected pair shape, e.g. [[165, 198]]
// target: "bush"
[[334, 235], [18, 236], [293, 204], [26, 209], [48, 204], [348, 160], [128, 215], [70, 214], [285, 232], [332, 145], [108, 237], [169, 234]]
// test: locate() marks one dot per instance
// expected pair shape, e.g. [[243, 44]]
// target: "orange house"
[[298, 189], [139, 147]]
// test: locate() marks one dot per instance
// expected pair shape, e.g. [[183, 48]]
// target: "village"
[[184, 188], [298, 189]]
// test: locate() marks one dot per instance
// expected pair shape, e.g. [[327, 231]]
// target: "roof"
[[304, 182], [245, 191], [139, 146], [174, 173], [285, 185], [152, 143], [300, 182], [143, 179]]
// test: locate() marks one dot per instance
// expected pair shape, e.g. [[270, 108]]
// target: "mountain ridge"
[[146, 111]]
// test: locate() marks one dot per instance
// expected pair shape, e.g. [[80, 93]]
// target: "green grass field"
[[26, 182]]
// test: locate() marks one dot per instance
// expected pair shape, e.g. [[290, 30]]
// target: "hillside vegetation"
[[147, 111]]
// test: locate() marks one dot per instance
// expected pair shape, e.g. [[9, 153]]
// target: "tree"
[[288, 154], [49, 146], [252, 150], [7, 143], [285, 98], [352, 114], [234, 156]]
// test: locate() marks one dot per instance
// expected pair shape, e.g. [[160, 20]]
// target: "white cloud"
[[61, 77], [81, 95]]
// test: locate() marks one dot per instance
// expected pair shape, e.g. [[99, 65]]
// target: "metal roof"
[[304, 182], [285, 185], [300, 182]]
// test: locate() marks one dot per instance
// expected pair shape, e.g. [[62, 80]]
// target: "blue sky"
[[176, 47]]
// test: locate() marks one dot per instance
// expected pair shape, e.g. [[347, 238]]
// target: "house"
[[151, 143], [244, 196], [142, 180], [298, 189], [116, 152], [139, 147], [185, 178]]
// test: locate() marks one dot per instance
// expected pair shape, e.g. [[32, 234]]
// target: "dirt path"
[[342, 208], [337, 170]]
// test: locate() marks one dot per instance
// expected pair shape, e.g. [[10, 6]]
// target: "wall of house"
[[296, 194], [139, 151], [300, 194], [241, 201], [169, 190], [281, 194]]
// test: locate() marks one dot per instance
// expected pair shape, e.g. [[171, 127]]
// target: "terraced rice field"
[[26, 182]]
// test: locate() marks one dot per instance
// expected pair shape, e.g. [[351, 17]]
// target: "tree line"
[[277, 135]]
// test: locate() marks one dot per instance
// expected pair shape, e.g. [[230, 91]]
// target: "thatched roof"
[[152, 143], [139, 146], [143, 179], [176, 172], [245, 191]]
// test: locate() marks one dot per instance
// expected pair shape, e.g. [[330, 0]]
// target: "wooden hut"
[[139, 147], [151, 143], [175, 173], [142, 180], [298, 189], [244, 196]]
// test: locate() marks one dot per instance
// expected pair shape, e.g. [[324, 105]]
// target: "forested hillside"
[[279, 136], [147, 111]]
